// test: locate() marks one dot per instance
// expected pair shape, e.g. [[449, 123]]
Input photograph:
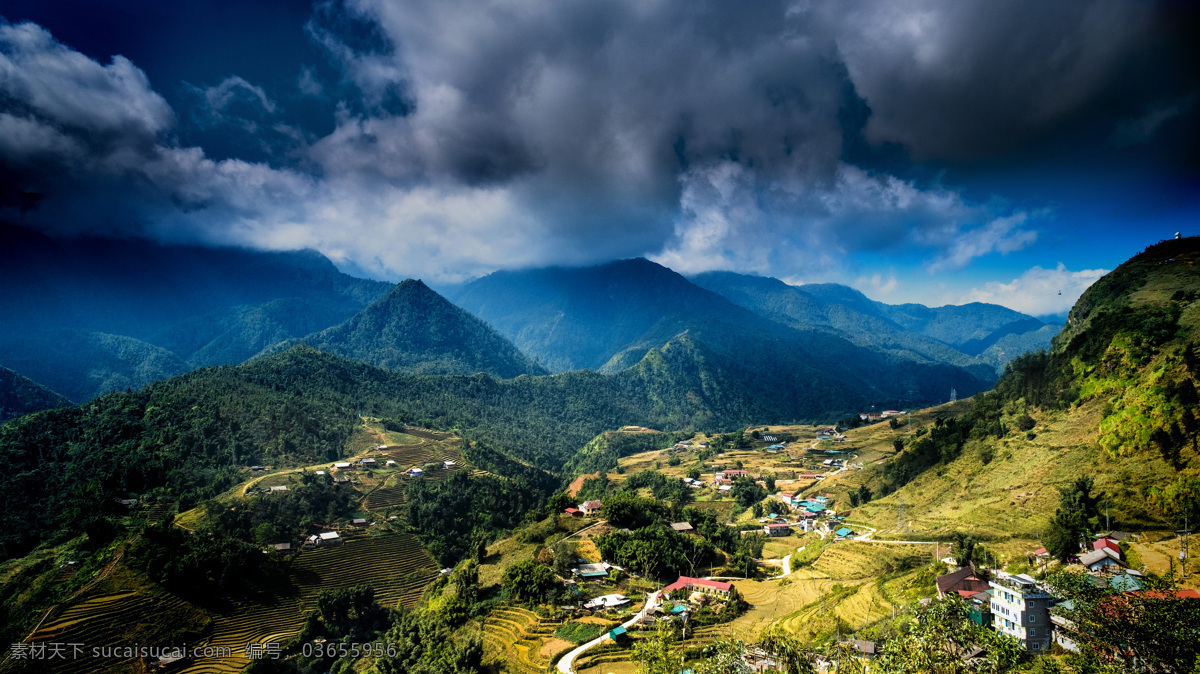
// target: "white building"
[[1021, 609]]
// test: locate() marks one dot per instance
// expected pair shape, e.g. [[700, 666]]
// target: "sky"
[[933, 151]]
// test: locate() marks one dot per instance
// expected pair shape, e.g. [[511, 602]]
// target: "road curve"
[[564, 663]]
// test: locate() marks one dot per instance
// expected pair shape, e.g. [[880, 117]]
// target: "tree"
[[628, 510], [565, 554], [694, 473], [941, 635], [964, 548], [746, 492], [528, 581], [654, 653], [466, 581], [1151, 631], [864, 494], [1077, 514]]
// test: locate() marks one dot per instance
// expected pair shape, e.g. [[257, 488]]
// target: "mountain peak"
[[414, 329]]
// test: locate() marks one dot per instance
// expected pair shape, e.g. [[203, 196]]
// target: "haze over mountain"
[[88, 316], [951, 334], [413, 329]]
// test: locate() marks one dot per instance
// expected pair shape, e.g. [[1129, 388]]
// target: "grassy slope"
[[385, 555]]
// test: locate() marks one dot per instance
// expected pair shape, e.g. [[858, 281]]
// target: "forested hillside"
[[1115, 400], [414, 329], [20, 395]]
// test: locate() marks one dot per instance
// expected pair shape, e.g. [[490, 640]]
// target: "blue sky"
[[937, 151]]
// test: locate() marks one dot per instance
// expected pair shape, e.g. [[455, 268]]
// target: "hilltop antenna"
[[953, 394], [901, 522]]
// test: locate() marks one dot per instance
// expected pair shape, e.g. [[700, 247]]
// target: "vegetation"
[[21, 395], [1150, 631], [656, 551]]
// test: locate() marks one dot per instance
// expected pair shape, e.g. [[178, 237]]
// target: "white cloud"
[[1002, 235], [64, 87], [1038, 292], [234, 88], [877, 284]]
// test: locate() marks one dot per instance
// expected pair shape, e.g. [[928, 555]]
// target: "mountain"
[[612, 316], [202, 306], [955, 335], [20, 395], [413, 329], [573, 318], [1115, 400], [82, 364]]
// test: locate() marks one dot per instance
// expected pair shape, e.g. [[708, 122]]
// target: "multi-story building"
[[1021, 609]]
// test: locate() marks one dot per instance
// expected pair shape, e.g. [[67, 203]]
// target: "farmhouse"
[[590, 508], [341, 480], [415, 472], [574, 512], [732, 474], [279, 488], [390, 464], [591, 570], [325, 538], [1107, 544], [282, 547], [711, 587], [1101, 560], [964, 581], [369, 463], [778, 529], [358, 522], [683, 527], [607, 601], [447, 465], [844, 532], [342, 465]]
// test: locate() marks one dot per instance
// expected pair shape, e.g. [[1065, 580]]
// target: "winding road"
[[564, 664]]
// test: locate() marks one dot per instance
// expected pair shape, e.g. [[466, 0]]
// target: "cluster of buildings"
[[1023, 607]]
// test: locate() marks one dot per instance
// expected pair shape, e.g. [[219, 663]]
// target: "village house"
[[607, 601], [325, 538], [778, 529], [447, 465], [590, 508], [278, 488], [282, 547], [591, 571], [683, 527], [871, 416], [964, 582], [1103, 559], [342, 465], [1021, 609], [709, 587], [1107, 544], [415, 472], [574, 512], [358, 522]]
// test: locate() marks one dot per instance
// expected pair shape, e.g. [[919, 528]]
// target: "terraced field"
[[518, 638], [116, 619]]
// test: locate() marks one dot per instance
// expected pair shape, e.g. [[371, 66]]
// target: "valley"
[[338, 488]]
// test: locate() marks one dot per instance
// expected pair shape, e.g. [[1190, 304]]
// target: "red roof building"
[[574, 512], [1106, 543], [715, 587]]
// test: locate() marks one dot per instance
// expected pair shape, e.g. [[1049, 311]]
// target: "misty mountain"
[[82, 364], [622, 312], [413, 329], [572, 318], [955, 335], [81, 312], [20, 395]]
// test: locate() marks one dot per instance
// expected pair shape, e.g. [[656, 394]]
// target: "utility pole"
[[1107, 524], [1184, 535], [953, 395], [901, 522]]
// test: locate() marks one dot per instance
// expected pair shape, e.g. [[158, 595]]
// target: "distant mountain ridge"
[[88, 316], [413, 329], [20, 395], [951, 334]]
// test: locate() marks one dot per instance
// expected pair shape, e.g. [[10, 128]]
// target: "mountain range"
[[93, 316]]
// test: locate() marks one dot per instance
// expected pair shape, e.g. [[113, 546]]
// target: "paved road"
[[564, 664]]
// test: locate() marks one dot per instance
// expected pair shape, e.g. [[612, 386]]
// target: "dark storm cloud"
[[476, 135]]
